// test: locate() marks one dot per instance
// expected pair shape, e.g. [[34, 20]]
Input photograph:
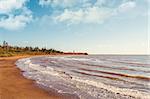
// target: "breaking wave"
[[90, 77]]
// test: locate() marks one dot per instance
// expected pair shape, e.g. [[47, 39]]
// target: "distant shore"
[[14, 86]]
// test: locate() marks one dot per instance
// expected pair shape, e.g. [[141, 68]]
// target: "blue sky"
[[93, 26]]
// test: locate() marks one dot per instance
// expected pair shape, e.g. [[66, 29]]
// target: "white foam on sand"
[[124, 91], [83, 87]]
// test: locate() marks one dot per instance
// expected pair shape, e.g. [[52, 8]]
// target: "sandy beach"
[[14, 86]]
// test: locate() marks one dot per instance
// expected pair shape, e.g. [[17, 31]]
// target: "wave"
[[104, 66], [114, 78], [84, 87], [101, 63], [118, 74], [132, 63]]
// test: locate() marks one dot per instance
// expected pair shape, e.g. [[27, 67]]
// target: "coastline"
[[14, 86]]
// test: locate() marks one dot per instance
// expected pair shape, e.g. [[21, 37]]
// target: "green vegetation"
[[6, 51]]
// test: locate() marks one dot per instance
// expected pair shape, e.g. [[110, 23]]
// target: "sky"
[[92, 26]]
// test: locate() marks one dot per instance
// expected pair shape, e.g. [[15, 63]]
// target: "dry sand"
[[14, 86]]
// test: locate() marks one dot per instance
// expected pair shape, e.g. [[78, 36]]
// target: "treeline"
[[15, 50]]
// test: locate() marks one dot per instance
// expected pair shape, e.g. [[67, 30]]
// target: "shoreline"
[[13, 85]]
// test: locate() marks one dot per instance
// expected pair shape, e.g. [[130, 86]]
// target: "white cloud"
[[14, 21], [88, 15], [45, 2], [9, 5], [70, 16], [58, 3], [127, 6], [108, 3], [87, 11], [97, 15], [63, 4]]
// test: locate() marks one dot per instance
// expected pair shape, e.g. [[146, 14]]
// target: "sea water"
[[92, 76]]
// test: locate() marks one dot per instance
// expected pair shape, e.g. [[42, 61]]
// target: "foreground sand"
[[14, 86]]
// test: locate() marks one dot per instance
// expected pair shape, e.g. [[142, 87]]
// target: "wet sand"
[[14, 86]]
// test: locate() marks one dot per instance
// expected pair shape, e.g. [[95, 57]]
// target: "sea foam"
[[83, 87]]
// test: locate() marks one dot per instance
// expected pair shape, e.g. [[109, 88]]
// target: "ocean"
[[91, 76]]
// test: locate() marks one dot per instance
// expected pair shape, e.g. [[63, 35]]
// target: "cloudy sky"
[[93, 26]]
